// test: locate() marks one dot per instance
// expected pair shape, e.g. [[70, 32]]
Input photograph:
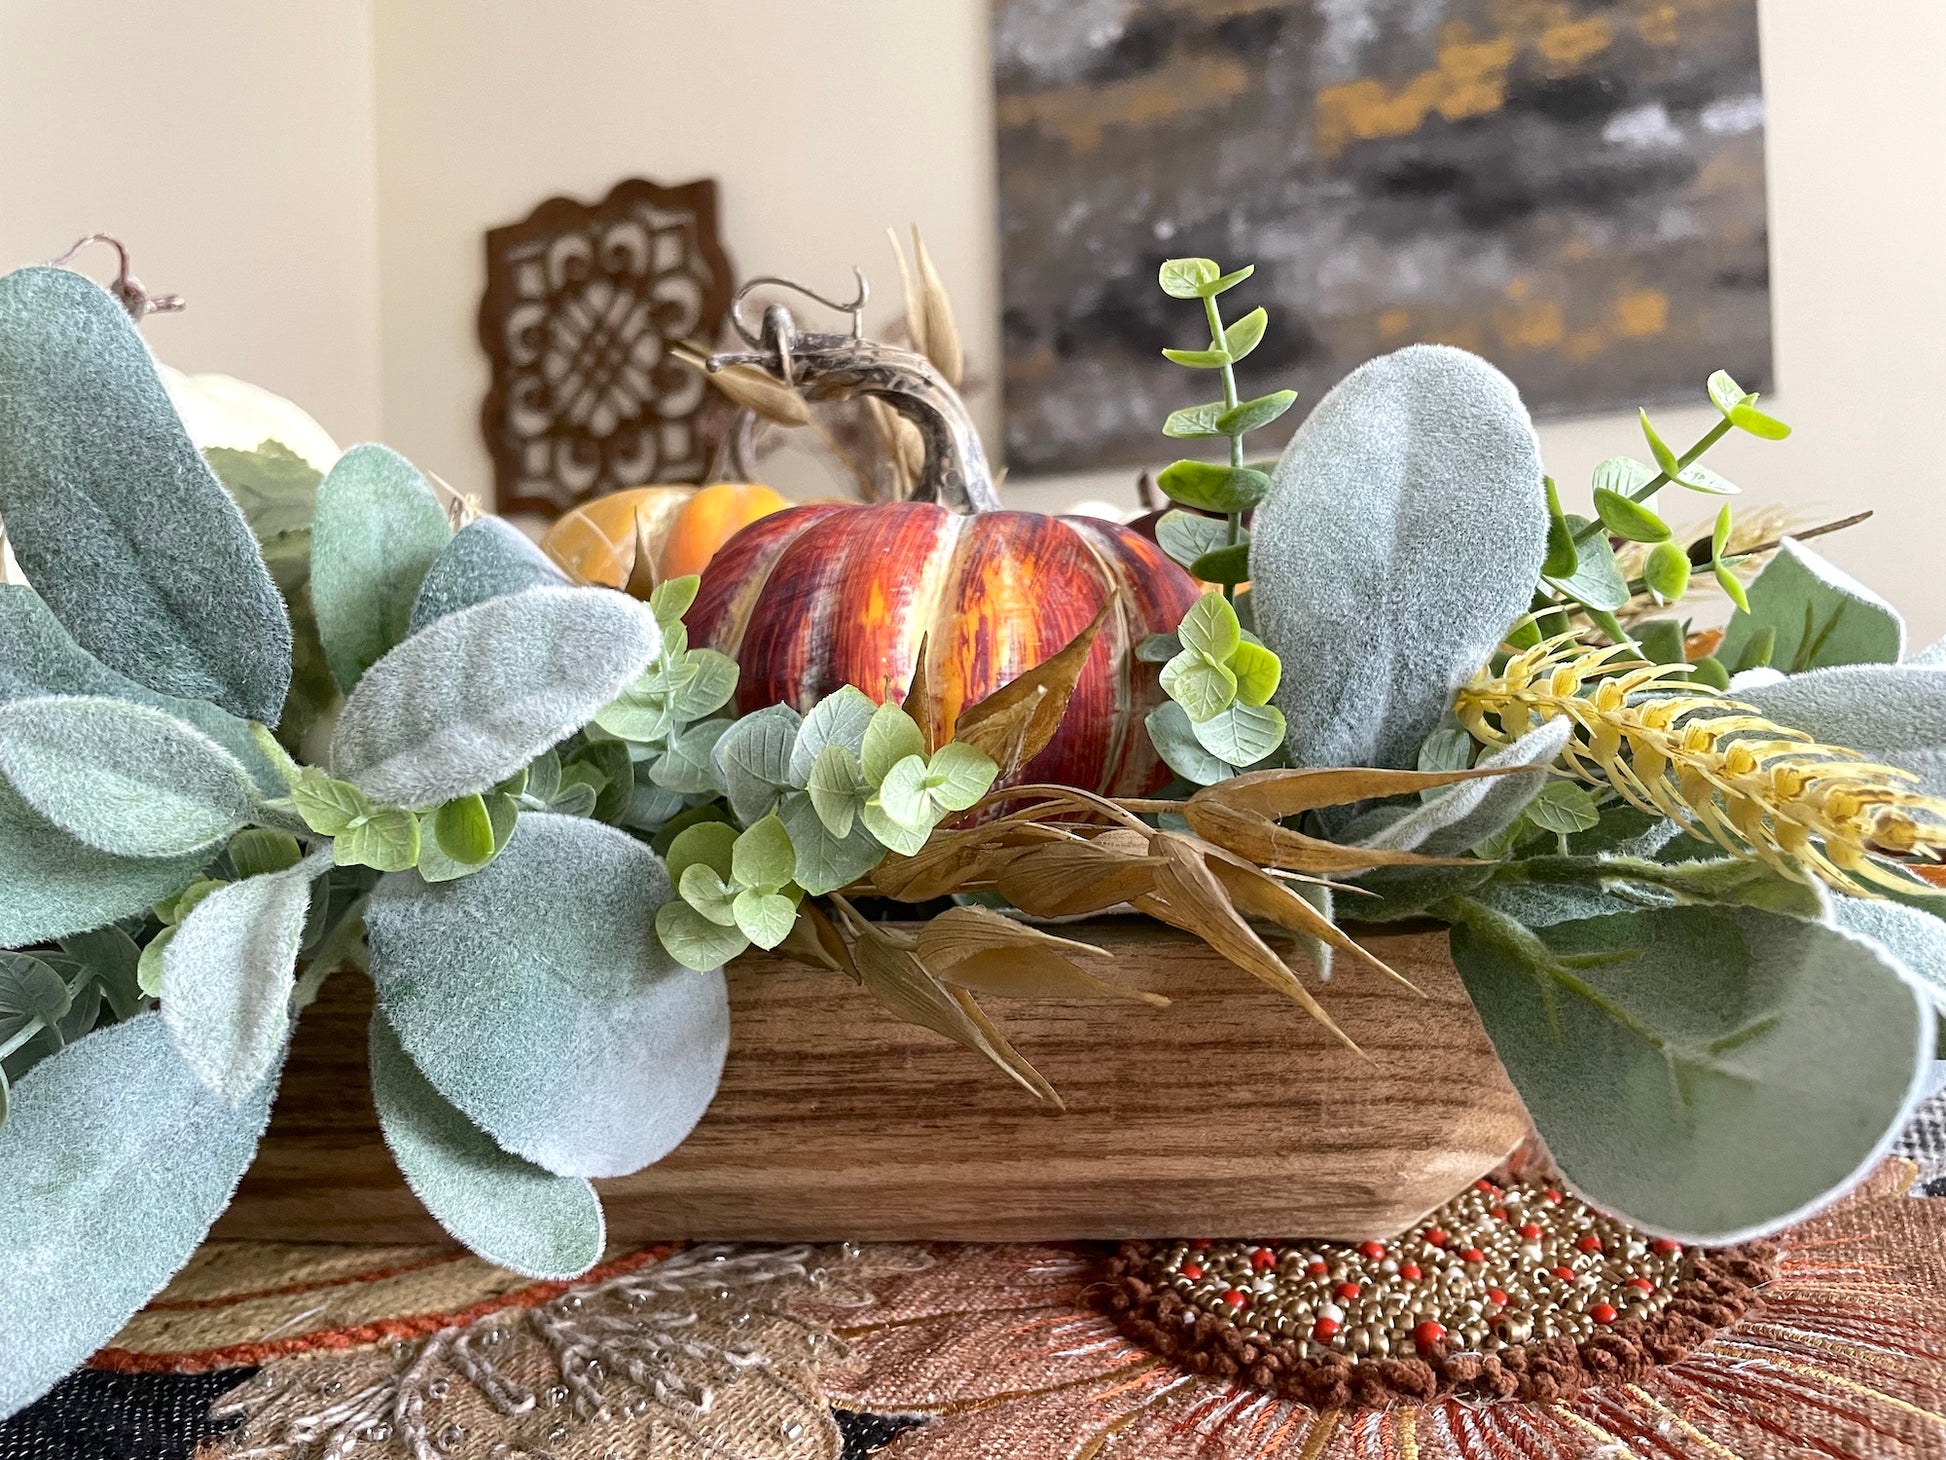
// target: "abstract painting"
[[1572, 188]]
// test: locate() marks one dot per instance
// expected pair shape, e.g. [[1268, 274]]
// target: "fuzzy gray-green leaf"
[[122, 778], [227, 977], [1707, 1041], [1821, 615], [537, 998], [1374, 573], [1461, 816], [509, 1211], [115, 516], [476, 695], [379, 529], [112, 1146], [1890, 712], [487, 558]]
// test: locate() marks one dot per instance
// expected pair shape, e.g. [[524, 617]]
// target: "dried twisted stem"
[[1722, 772]]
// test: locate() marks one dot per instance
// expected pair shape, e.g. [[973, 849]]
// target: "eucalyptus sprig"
[[1216, 552]]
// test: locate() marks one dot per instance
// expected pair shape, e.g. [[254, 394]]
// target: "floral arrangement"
[[260, 724]]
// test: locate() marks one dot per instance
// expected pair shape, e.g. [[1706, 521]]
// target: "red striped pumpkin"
[[817, 597]]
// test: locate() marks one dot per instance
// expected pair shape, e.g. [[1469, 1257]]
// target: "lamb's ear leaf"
[[1917, 938], [487, 558], [124, 779], [1371, 572], [56, 885], [476, 695], [504, 1209], [1460, 817], [378, 530], [113, 1146], [115, 516], [537, 998], [1822, 616], [1673, 1052], [38, 657], [227, 977], [1890, 712]]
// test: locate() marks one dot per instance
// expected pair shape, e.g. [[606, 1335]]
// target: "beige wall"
[[826, 120], [230, 144]]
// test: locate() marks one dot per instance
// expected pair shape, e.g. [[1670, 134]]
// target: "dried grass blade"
[[977, 949], [918, 701], [1074, 879], [1284, 793], [952, 860], [755, 390], [942, 342], [813, 941], [1257, 895], [1016, 721], [999, 1049], [1261, 840]]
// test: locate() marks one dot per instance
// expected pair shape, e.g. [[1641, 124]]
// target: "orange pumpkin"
[[636, 539]]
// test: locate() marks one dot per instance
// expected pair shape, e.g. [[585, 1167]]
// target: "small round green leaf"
[[1243, 336], [1248, 415], [1188, 278], [1241, 734], [762, 856], [1211, 628], [1629, 519], [259, 850], [1228, 564], [959, 775], [764, 918], [1202, 688], [1756, 423], [1258, 671], [1187, 536], [1210, 359], [464, 830], [1192, 422], [1664, 457], [1666, 572], [1212, 487]]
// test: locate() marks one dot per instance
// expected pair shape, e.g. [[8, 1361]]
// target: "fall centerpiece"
[[260, 726]]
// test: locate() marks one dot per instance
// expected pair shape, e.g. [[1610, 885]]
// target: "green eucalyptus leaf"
[[463, 829], [1188, 536], [670, 599], [1562, 556], [122, 778], [1764, 427], [476, 695], [276, 489], [707, 844], [1243, 336], [1209, 359], [762, 856], [387, 840], [1629, 519], [378, 531], [1189, 278], [258, 850], [1668, 1055], [1212, 487], [228, 975], [1699, 478], [506, 1210], [753, 760], [1228, 281], [1258, 673], [837, 789], [686, 766], [487, 558], [1563, 808], [827, 861], [613, 778], [1597, 580], [1173, 735], [1202, 688], [695, 941], [1725, 394], [114, 515], [1250, 415], [1210, 628], [112, 960], [707, 688], [765, 918], [1821, 616], [1241, 734], [1195, 422], [328, 805], [841, 718], [577, 797], [1373, 571], [1665, 572], [148, 968], [111, 1146], [1623, 475], [29, 990], [537, 998], [908, 839], [958, 775], [891, 736], [709, 894], [1229, 564], [1665, 459], [902, 796], [55, 885]]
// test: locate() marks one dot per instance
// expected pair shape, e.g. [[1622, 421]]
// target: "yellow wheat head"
[[1720, 771]]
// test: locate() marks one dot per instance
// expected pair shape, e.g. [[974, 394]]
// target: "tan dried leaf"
[[1257, 895], [1072, 879], [918, 701], [1189, 896], [762, 394], [943, 346], [1016, 721], [892, 972], [976, 948], [815, 942], [952, 861]]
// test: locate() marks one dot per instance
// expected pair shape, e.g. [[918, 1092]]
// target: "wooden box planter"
[[1230, 1113]]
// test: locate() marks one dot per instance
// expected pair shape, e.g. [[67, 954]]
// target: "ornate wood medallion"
[[582, 304]]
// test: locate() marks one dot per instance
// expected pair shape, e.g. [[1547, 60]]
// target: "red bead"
[[1237, 1299], [1346, 1291], [1410, 1272], [1325, 1329], [1643, 1283], [1263, 1259], [1199, 1243], [1565, 1274], [1427, 1334], [1192, 1270], [1496, 1297], [1484, 1185], [1665, 1246], [1473, 1254], [1436, 1236], [1499, 1214], [1589, 1242], [1531, 1231], [1553, 1197], [1373, 1250], [1602, 1313], [1318, 1267]]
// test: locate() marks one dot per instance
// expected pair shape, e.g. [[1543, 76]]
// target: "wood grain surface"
[[1228, 1113]]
